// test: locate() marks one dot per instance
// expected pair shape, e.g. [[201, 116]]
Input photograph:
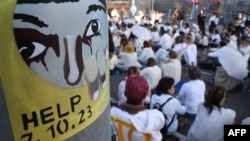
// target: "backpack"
[[159, 107]]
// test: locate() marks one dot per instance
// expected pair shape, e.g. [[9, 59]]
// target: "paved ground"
[[238, 99]]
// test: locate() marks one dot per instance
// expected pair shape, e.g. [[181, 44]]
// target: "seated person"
[[192, 92], [135, 112], [211, 117], [165, 90], [147, 52]]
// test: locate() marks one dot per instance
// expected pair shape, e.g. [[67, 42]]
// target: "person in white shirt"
[[191, 52], [213, 22], [166, 40], [136, 113], [211, 117], [202, 40], [127, 58], [214, 38], [147, 52], [155, 36], [152, 73], [192, 93], [173, 108], [179, 44], [172, 67]]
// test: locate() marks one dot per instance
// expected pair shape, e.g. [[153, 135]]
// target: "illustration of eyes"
[[33, 51], [33, 45], [92, 29]]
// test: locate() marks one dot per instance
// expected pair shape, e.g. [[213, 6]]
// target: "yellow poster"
[[54, 74]]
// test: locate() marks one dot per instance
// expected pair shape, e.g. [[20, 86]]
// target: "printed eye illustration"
[[92, 29], [33, 45], [32, 51]]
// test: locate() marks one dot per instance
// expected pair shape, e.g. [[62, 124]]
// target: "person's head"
[[189, 39], [151, 62], [201, 11], [222, 44], [194, 72], [147, 44], [136, 89], [179, 39], [246, 42], [129, 48], [165, 85], [215, 97], [133, 70], [172, 54]]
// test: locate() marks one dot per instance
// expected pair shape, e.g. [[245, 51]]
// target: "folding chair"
[[125, 130]]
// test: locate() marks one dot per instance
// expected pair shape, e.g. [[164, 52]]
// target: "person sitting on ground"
[[152, 73], [127, 58], [147, 52], [179, 44], [192, 92], [211, 117], [172, 67], [164, 91], [135, 112], [202, 40], [214, 38]]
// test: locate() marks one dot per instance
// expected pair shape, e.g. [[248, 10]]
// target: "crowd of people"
[[153, 68]]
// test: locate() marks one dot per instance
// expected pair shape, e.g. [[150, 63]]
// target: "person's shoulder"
[[229, 112]]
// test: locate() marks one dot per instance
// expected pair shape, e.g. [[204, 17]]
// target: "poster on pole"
[[54, 76]]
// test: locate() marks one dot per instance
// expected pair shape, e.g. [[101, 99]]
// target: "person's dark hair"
[[151, 62], [147, 44], [164, 85], [214, 97], [179, 39], [162, 31], [133, 70], [194, 72], [172, 54], [222, 43]]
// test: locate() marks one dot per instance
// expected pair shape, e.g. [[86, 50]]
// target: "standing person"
[[211, 117], [165, 91], [201, 17], [213, 22], [191, 52], [192, 92], [136, 113]]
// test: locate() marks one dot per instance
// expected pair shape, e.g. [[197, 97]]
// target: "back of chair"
[[125, 130]]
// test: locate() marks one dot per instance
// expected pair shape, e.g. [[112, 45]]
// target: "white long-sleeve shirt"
[[146, 121], [210, 127], [171, 108], [172, 69], [152, 74], [166, 41], [192, 93]]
